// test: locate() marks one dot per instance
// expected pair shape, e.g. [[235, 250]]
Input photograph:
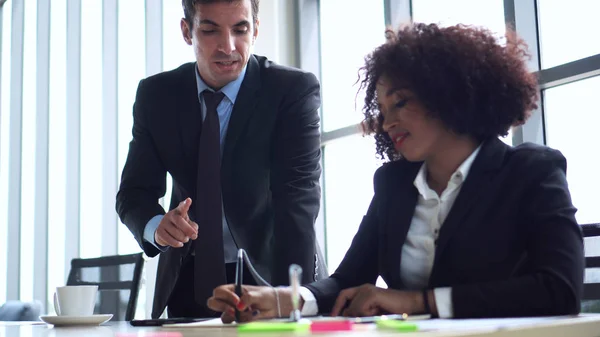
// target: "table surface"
[[583, 326]]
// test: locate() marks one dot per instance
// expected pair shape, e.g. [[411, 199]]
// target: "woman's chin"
[[409, 155]]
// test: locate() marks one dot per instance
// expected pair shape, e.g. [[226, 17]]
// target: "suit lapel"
[[242, 111], [402, 197], [472, 193], [190, 115]]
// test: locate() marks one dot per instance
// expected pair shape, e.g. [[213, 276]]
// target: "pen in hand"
[[239, 274]]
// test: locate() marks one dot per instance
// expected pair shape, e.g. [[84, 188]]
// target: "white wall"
[[277, 31]]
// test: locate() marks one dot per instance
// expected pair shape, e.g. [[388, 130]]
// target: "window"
[[28, 138], [568, 31], [57, 147], [131, 69], [343, 48], [5, 52], [175, 51], [91, 130], [349, 167], [349, 162], [489, 14], [571, 126]]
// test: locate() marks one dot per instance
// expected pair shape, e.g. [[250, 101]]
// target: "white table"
[[582, 326]]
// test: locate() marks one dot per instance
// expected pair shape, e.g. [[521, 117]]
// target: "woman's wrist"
[[285, 301], [424, 303], [430, 294]]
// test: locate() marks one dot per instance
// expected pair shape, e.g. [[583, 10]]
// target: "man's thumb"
[[184, 206]]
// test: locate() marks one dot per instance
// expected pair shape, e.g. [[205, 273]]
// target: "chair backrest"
[[591, 287], [118, 280]]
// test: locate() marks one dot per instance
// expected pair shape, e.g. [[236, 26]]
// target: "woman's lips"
[[399, 138]]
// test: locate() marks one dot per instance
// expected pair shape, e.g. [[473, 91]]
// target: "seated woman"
[[461, 224]]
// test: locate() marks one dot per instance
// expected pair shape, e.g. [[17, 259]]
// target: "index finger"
[[344, 296], [184, 226], [184, 207], [226, 293]]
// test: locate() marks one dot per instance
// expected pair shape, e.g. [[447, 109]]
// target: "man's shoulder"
[[280, 75], [170, 78]]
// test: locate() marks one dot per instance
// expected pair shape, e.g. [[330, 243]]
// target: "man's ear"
[[186, 32], [256, 24]]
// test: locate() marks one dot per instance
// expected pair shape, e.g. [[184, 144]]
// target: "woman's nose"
[[389, 124]]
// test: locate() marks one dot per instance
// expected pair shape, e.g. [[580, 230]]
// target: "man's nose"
[[227, 44]]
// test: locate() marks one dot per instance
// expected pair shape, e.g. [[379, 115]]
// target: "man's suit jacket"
[[270, 167], [510, 245]]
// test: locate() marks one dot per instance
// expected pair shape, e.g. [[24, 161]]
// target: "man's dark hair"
[[475, 85], [189, 8]]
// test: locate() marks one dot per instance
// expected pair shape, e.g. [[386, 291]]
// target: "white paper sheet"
[[483, 324], [211, 323]]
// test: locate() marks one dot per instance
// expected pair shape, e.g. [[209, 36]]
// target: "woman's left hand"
[[369, 300]]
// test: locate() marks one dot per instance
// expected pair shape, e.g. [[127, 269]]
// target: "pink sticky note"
[[329, 326]]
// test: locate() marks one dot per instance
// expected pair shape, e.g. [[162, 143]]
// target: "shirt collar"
[[230, 90], [459, 176]]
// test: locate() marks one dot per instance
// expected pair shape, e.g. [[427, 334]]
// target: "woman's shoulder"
[[535, 156], [395, 171]]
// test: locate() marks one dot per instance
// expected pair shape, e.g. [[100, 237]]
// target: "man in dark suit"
[[240, 137]]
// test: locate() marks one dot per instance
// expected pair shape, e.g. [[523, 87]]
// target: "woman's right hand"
[[255, 302]]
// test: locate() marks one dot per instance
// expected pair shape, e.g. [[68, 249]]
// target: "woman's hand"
[[255, 302], [368, 300]]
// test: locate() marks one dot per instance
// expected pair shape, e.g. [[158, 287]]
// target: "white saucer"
[[76, 320]]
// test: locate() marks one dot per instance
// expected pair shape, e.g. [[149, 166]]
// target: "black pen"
[[239, 274]]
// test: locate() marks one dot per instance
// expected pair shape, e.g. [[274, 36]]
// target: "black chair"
[[591, 289], [118, 280]]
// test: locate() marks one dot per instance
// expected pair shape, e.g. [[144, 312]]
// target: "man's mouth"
[[226, 65]]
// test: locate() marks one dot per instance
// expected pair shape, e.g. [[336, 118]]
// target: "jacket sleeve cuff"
[[149, 231], [443, 301], [310, 307]]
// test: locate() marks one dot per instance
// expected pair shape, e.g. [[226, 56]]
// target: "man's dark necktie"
[[209, 265]]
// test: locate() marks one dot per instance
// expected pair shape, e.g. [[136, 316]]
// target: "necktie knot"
[[212, 99]]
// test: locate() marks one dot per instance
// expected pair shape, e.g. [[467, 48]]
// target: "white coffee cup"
[[75, 300]]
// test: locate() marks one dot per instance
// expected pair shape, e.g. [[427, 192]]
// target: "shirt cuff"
[[310, 307], [443, 301], [149, 231]]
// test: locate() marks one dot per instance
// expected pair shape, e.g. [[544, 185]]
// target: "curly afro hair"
[[463, 76]]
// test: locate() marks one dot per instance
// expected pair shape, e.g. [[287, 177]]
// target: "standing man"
[[240, 137]]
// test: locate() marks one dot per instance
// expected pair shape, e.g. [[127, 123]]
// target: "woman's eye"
[[401, 103]]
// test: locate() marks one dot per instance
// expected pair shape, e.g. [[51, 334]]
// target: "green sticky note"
[[401, 326], [274, 327]]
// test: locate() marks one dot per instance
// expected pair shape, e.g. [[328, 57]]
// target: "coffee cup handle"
[[56, 306]]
